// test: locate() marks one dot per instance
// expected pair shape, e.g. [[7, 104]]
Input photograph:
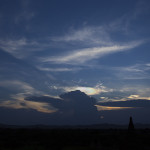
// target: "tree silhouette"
[[131, 125]]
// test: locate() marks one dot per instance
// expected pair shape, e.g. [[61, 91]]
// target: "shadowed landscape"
[[72, 139]]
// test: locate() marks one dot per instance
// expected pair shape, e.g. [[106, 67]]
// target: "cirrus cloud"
[[83, 55]]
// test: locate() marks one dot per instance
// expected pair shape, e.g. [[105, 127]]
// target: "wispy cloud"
[[22, 91], [139, 90], [148, 64], [124, 23], [137, 71], [141, 7], [21, 87], [94, 35], [138, 97], [25, 104], [95, 90], [104, 108], [135, 68], [125, 98], [24, 47], [84, 55], [58, 69], [19, 90], [19, 47], [126, 92]]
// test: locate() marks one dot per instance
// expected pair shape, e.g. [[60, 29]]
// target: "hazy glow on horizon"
[[102, 108]]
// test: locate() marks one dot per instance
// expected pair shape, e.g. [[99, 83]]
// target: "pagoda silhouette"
[[131, 125]]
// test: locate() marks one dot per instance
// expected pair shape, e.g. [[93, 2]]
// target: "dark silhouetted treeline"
[[73, 139]]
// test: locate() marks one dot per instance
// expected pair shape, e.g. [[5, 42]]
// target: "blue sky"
[[52, 47]]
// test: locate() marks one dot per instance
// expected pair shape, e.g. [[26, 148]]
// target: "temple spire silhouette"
[[131, 125]]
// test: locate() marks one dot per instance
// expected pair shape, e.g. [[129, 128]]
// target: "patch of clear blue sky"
[[55, 16]]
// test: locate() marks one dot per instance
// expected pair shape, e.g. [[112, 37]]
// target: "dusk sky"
[[49, 48]]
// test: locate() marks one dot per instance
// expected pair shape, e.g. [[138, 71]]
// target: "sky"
[[99, 49]]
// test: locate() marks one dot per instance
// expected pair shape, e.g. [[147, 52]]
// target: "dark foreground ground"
[[73, 139]]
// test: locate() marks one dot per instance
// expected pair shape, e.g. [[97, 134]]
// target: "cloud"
[[18, 47], [87, 38], [19, 86], [24, 104], [141, 7], [84, 55], [124, 23], [95, 90], [135, 103], [25, 47], [16, 84], [14, 70], [148, 64], [89, 35], [139, 90], [133, 96], [20, 91], [138, 97], [125, 93], [136, 71], [74, 107], [105, 108], [58, 69], [88, 90]]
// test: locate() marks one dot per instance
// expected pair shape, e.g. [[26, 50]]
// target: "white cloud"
[[148, 64], [137, 71], [135, 68], [86, 54], [20, 86], [138, 97], [87, 90], [18, 47], [141, 92], [23, 47], [87, 35], [58, 69], [133, 96], [96, 90]]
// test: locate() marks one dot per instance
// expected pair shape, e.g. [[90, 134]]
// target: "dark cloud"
[[139, 111], [129, 103], [76, 108], [73, 108]]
